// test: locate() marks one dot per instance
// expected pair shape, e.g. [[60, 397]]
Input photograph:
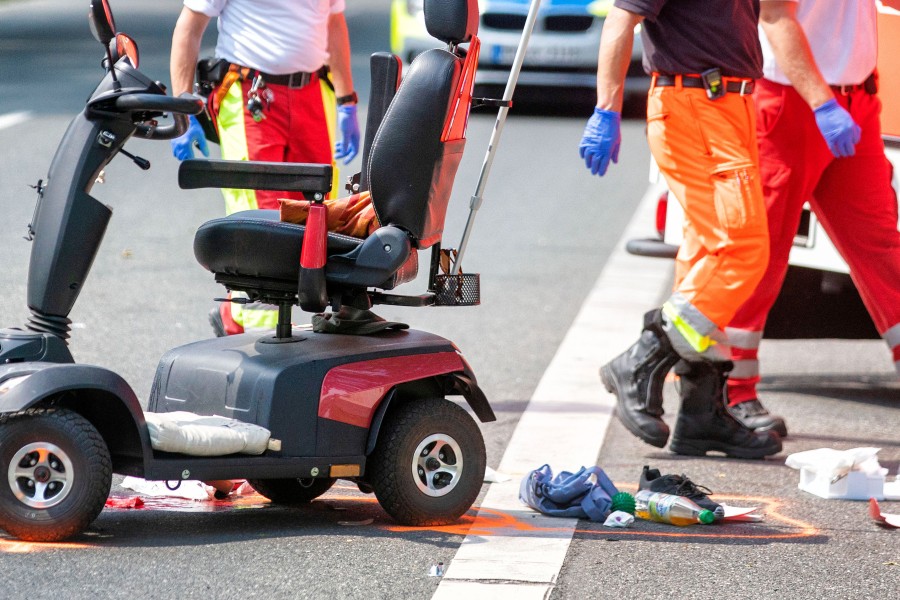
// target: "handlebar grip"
[[180, 107], [186, 104]]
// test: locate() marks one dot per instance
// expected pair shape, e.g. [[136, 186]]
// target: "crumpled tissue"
[[619, 518]]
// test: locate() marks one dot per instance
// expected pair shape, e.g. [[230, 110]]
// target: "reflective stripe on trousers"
[[693, 336], [253, 316], [742, 380]]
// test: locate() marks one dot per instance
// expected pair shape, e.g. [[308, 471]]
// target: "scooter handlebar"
[[180, 107]]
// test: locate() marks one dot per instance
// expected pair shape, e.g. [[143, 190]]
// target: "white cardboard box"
[[856, 485]]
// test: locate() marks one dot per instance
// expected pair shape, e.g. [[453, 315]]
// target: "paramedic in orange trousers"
[[704, 56]]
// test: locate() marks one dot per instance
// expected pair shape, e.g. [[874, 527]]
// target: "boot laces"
[[687, 488], [751, 408]]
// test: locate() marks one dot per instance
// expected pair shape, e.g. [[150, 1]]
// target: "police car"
[[562, 51]]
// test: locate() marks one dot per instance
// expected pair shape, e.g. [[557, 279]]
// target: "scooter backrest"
[[451, 21], [417, 149], [385, 69]]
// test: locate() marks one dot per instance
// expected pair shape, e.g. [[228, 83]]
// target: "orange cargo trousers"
[[707, 151]]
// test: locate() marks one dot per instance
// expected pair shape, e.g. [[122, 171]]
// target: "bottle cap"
[[623, 501], [706, 516]]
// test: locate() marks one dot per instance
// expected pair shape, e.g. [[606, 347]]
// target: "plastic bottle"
[[668, 508]]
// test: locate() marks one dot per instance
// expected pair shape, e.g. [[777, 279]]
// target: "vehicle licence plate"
[[535, 55]]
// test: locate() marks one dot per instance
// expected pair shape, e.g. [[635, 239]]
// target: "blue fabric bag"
[[585, 494]]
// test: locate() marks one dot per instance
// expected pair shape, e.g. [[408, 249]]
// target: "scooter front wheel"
[[55, 474], [291, 491], [428, 465]]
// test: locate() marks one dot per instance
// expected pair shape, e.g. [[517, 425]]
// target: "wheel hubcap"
[[437, 465], [40, 475]]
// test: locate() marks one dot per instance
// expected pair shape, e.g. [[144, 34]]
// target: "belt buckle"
[[845, 90], [298, 79], [745, 83]]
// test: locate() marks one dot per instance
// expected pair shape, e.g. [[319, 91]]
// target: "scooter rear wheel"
[[428, 465], [291, 491], [55, 474]]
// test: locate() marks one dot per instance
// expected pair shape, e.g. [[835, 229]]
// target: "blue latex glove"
[[348, 146], [183, 147], [838, 128], [601, 140]]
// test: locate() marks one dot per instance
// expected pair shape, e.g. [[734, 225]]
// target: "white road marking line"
[[14, 118], [564, 426]]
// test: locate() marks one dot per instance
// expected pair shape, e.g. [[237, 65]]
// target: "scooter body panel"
[[17, 346], [317, 395], [98, 394], [46, 380]]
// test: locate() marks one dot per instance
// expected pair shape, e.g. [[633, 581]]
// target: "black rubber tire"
[[89, 482], [389, 468], [291, 491]]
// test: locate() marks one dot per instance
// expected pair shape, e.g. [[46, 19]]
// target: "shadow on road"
[[865, 388]]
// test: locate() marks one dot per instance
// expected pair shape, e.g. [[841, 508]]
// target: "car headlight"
[[599, 8], [12, 382]]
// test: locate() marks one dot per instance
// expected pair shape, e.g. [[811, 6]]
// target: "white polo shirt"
[[272, 36], [843, 38]]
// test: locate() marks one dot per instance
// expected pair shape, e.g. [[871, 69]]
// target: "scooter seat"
[[256, 244], [410, 169]]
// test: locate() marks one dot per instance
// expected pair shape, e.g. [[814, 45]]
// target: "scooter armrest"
[[311, 288], [311, 179]]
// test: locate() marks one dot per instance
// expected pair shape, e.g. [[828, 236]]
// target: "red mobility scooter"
[[371, 409]]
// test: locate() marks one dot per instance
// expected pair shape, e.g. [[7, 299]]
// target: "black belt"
[[870, 86], [292, 80], [741, 86]]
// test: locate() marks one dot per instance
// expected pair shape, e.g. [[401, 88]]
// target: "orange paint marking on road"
[[16, 547], [485, 522], [490, 522]]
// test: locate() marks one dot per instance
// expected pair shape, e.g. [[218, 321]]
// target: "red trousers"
[[852, 198], [297, 127]]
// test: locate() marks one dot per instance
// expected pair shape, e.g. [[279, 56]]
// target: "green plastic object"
[[625, 502], [706, 516]]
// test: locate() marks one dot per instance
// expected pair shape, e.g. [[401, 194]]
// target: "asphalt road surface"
[[541, 239]]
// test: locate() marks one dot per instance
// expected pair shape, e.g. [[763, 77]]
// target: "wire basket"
[[463, 289]]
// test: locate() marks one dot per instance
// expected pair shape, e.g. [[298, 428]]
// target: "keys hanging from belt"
[[259, 98]]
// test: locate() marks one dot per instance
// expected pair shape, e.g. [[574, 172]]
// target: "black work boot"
[[751, 413], [636, 377], [703, 423]]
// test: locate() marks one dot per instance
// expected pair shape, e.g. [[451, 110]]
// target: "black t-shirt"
[[691, 36]]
